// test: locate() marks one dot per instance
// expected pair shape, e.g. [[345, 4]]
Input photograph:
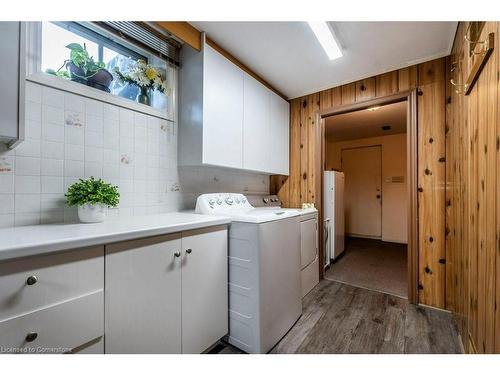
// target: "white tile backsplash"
[[70, 137], [27, 184], [27, 166], [52, 167], [52, 150], [6, 204]]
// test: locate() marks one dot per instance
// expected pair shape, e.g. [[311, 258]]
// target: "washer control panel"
[[221, 203]]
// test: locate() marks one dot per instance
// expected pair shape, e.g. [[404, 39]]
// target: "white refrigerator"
[[333, 208]]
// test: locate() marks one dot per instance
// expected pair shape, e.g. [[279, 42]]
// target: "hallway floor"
[[372, 264], [339, 318]]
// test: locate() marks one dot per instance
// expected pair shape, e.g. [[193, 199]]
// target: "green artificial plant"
[[92, 191]]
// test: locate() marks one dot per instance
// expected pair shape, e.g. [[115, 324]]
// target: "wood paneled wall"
[[300, 187], [473, 205]]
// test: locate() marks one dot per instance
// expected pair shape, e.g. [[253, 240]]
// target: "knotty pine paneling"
[[348, 93], [365, 89], [431, 182], [473, 218], [387, 84], [300, 187]]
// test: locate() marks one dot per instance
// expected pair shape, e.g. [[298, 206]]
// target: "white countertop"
[[38, 239]]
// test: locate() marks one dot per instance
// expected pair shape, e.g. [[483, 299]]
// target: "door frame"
[[410, 97], [381, 182]]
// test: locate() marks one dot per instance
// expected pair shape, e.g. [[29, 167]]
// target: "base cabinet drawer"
[[32, 283], [56, 329]]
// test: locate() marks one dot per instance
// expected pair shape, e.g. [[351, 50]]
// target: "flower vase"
[[143, 96]]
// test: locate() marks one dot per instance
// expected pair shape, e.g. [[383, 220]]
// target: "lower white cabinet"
[[167, 294], [204, 289], [52, 303]]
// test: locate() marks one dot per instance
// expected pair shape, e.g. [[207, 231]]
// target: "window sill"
[[90, 92]]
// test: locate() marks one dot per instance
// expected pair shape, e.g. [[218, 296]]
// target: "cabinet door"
[[143, 296], [204, 289], [222, 111], [256, 140], [279, 126], [9, 79]]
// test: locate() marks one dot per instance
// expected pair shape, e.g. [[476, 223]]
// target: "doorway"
[[380, 230], [362, 168]]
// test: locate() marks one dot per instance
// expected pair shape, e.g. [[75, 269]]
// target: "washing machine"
[[264, 263]]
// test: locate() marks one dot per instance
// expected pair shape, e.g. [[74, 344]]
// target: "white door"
[[143, 296], [223, 111], [256, 140], [362, 168], [204, 289], [279, 125]]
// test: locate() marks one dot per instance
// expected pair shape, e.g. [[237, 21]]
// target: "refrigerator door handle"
[[328, 250]]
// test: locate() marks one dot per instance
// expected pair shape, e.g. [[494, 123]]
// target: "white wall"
[[395, 195], [70, 137]]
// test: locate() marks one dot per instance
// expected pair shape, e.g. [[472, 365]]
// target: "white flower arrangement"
[[145, 76]]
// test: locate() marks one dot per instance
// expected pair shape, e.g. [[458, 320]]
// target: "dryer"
[[309, 245]]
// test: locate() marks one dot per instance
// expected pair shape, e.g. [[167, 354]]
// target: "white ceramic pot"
[[92, 213]]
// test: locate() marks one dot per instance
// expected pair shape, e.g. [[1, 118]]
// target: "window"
[[103, 53]]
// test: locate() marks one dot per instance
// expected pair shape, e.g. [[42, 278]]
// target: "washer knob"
[[237, 200], [219, 201], [265, 200], [229, 200]]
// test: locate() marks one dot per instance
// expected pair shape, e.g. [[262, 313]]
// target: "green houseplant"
[[92, 197], [82, 68]]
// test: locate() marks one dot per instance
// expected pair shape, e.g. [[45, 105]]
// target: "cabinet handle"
[[177, 254], [31, 280], [189, 251], [31, 336]]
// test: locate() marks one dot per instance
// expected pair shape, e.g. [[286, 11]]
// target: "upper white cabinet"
[[222, 111], [256, 121], [228, 118], [11, 105]]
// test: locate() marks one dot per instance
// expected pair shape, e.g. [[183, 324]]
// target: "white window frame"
[[34, 74]]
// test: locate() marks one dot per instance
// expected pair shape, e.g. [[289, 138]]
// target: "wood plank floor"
[[339, 318]]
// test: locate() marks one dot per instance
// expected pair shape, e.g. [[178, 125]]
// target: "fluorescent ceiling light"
[[326, 39]]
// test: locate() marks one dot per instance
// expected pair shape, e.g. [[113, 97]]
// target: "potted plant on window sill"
[[83, 69], [93, 197], [145, 77]]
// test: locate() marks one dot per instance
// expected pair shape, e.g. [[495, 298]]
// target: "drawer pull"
[[31, 280], [177, 254], [189, 251], [31, 336]]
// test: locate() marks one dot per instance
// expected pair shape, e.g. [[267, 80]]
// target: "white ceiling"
[[365, 124], [289, 57]]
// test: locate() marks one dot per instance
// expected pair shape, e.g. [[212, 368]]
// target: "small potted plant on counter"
[[93, 197], [83, 69], [145, 77]]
